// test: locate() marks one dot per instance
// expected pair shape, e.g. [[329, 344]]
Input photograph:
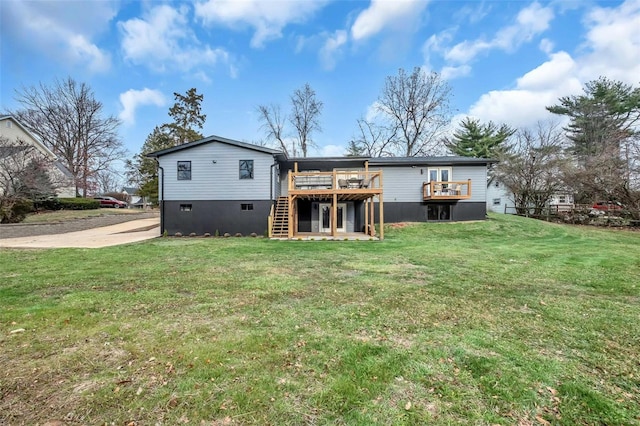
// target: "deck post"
[[334, 214], [366, 215], [291, 215], [381, 207], [295, 167], [469, 187], [372, 220]]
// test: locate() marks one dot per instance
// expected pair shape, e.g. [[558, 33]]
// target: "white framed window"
[[440, 174]]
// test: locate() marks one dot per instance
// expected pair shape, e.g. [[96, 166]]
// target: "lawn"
[[506, 321], [63, 215]]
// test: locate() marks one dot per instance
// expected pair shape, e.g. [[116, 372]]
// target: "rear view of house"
[[225, 186]]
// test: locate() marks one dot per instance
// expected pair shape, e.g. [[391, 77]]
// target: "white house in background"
[[501, 200], [499, 197], [13, 130]]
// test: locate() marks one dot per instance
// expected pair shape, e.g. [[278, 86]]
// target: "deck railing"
[[339, 180], [454, 190]]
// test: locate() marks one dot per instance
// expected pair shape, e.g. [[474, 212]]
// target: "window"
[[246, 169], [246, 206], [185, 207], [562, 199], [440, 174], [497, 201], [184, 170], [438, 212]]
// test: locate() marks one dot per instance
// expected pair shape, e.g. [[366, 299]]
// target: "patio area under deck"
[[333, 188]]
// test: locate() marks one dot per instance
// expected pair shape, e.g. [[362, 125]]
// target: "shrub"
[[207, 235], [67, 204], [178, 234], [238, 234], [254, 235], [16, 211], [193, 234], [227, 235]]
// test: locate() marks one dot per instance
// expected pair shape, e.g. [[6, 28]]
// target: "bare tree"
[[304, 118], [374, 140], [305, 112], [108, 180], [418, 104], [534, 168], [68, 120], [273, 124], [23, 177]]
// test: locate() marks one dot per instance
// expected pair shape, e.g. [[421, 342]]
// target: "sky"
[[504, 60]]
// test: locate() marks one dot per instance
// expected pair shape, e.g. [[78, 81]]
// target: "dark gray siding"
[[417, 212], [211, 216]]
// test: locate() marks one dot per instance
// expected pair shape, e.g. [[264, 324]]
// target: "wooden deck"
[[454, 190], [333, 187]]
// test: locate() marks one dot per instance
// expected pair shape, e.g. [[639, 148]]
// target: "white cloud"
[[382, 14], [450, 73], [613, 40], [332, 151], [132, 99], [611, 50], [267, 18], [60, 30], [332, 48], [531, 21], [163, 39]]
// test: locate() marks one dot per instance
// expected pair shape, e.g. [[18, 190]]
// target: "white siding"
[[215, 174], [404, 183]]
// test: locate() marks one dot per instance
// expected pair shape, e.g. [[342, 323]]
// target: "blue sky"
[[504, 60]]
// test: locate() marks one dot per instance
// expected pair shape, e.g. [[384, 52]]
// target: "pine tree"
[[478, 140]]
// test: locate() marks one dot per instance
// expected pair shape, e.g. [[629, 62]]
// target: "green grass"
[[506, 321], [64, 215]]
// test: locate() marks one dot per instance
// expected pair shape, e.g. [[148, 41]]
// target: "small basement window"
[[246, 169], [184, 170], [246, 206], [186, 207], [496, 201]]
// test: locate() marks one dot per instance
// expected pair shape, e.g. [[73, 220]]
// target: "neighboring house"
[[132, 197], [61, 177], [225, 186], [500, 199]]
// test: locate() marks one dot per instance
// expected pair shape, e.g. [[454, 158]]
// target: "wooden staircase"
[[280, 227]]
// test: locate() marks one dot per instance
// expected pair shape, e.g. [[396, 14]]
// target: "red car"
[[110, 202], [607, 205]]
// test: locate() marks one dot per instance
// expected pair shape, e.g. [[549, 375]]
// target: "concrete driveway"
[[112, 235]]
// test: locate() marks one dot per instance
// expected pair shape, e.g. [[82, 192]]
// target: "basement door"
[[325, 217]]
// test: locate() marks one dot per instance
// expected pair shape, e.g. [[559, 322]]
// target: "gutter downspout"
[[161, 197]]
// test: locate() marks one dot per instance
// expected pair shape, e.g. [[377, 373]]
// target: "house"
[[61, 177], [133, 198], [221, 185], [501, 200]]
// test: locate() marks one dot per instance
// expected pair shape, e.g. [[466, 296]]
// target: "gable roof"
[[42, 147], [211, 139]]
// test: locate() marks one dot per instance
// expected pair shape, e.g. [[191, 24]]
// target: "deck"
[[441, 190], [331, 187]]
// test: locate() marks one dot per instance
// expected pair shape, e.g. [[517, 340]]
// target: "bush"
[[16, 211], [67, 204]]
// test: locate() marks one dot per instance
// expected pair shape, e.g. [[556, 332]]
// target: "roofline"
[[42, 146], [410, 161], [210, 139]]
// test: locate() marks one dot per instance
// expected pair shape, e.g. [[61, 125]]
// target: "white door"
[[325, 217]]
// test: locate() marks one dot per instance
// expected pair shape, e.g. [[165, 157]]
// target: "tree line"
[[595, 155]]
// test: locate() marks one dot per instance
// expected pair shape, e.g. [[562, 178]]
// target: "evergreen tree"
[[187, 116], [143, 171], [474, 139]]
